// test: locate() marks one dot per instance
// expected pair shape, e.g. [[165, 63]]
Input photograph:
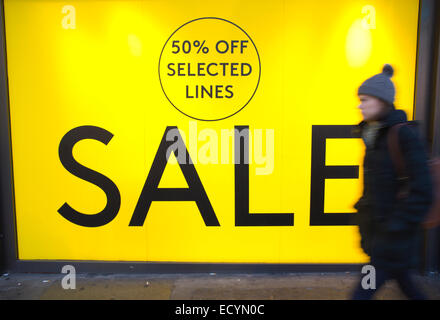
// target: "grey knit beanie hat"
[[380, 85]]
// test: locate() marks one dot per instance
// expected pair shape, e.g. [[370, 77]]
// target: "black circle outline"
[[259, 73]]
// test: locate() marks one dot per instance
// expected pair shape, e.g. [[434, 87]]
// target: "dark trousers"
[[403, 278]]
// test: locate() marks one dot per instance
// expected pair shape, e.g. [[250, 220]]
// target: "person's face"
[[371, 107]]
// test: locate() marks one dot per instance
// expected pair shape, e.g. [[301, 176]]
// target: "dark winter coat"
[[389, 228]]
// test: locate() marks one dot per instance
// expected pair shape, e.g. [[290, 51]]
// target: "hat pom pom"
[[388, 70]]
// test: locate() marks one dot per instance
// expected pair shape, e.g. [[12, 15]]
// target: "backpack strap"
[[397, 158]]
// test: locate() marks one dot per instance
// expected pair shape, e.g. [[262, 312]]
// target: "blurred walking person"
[[388, 224]]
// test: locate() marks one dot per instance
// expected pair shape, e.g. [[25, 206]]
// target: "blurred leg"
[[407, 285]]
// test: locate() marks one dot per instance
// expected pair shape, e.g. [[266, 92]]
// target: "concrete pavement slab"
[[286, 286]]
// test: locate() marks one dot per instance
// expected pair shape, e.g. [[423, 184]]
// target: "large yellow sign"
[[195, 131]]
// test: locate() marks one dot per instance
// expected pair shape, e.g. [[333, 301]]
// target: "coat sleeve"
[[409, 213]]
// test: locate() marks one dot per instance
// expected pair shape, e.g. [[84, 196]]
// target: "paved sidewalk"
[[286, 286]]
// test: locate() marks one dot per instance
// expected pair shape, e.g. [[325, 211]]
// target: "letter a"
[[369, 281], [69, 280], [151, 192], [69, 20]]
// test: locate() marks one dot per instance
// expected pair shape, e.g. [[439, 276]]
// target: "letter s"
[[111, 190], [228, 89]]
